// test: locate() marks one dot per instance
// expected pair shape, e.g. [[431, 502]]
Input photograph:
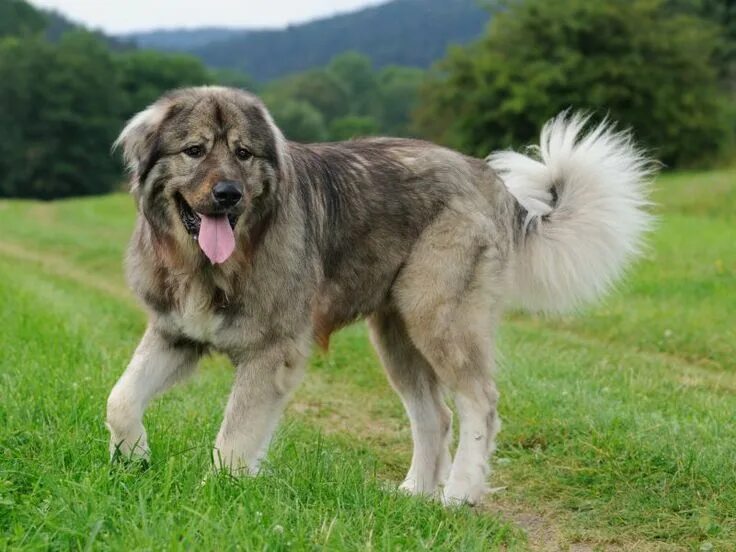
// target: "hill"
[[413, 33], [21, 19], [182, 40], [57, 24]]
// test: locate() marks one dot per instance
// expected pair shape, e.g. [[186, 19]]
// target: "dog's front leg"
[[263, 384], [157, 363]]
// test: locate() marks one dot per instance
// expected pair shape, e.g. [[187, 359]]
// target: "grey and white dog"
[[256, 247]]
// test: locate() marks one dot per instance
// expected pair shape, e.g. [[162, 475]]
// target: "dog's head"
[[204, 161]]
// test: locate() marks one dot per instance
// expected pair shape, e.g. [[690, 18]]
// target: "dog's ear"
[[139, 140]]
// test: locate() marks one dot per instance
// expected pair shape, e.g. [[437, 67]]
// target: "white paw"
[[130, 448], [224, 461], [128, 439], [410, 486], [417, 486], [463, 492]]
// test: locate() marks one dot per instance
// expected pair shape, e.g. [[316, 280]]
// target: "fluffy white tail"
[[585, 197]]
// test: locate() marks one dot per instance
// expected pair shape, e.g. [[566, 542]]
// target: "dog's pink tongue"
[[216, 238]]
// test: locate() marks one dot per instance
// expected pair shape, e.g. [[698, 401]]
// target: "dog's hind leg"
[[263, 384], [449, 295], [464, 363], [458, 346], [413, 379], [157, 364]]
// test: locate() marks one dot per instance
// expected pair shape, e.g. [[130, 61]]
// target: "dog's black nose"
[[227, 193]]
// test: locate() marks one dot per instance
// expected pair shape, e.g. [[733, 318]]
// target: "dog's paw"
[[422, 488], [453, 499], [460, 493], [129, 462], [410, 487], [230, 464], [130, 454]]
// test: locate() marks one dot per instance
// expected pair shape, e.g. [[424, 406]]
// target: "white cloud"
[[119, 16]]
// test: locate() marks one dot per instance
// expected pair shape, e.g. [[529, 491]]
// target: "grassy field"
[[618, 429]]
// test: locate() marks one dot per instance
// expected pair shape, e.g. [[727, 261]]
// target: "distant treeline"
[[664, 68]]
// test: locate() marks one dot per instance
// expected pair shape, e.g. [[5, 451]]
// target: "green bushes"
[[344, 100], [61, 109], [646, 64]]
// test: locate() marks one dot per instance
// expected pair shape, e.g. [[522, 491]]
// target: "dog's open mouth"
[[214, 233], [189, 218], [192, 221]]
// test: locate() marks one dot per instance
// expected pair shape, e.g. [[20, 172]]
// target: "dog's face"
[[204, 160]]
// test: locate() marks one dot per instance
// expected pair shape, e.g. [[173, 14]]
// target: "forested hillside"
[[414, 33], [181, 40], [57, 25]]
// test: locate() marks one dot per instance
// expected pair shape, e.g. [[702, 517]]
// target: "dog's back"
[[367, 202]]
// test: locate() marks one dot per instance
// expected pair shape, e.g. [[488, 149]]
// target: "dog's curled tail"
[[582, 215]]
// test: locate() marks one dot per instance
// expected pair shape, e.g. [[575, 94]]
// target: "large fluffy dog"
[[255, 246]]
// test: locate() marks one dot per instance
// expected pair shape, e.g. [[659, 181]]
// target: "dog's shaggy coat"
[[427, 244]]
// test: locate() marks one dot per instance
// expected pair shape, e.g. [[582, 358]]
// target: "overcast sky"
[[119, 16]]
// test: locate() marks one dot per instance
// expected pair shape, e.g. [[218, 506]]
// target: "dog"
[[258, 247]]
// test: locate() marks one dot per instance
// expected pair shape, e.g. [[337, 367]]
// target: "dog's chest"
[[200, 325], [200, 318]]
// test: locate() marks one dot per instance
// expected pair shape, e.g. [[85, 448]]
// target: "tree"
[[353, 126], [233, 78], [63, 114], [399, 94], [647, 67], [350, 98], [145, 75], [320, 88], [356, 73], [19, 18], [723, 14], [299, 121]]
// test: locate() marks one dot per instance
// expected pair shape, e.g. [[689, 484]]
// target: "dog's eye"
[[194, 151], [243, 154]]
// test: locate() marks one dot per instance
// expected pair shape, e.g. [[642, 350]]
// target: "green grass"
[[618, 424]]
